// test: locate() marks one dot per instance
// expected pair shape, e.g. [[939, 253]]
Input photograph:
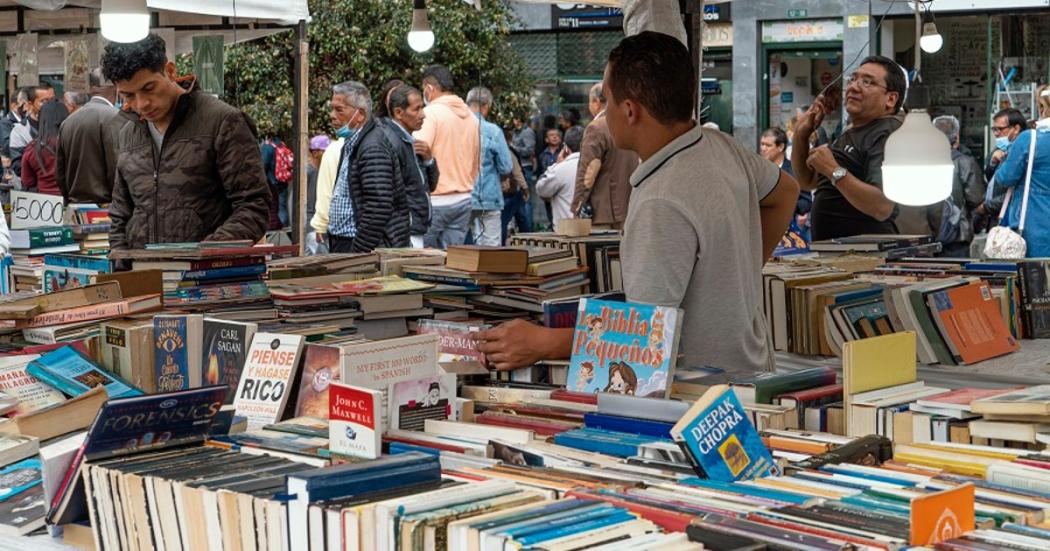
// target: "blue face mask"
[[1002, 143], [344, 132]]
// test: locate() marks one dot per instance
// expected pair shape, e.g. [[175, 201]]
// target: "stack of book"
[[309, 269], [890, 247], [28, 248], [91, 225], [341, 303], [209, 276], [598, 252]]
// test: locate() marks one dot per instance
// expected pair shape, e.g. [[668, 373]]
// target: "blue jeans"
[[448, 225], [518, 209], [282, 204]]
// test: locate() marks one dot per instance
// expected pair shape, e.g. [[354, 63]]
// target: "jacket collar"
[[182, 105], [401, 131]]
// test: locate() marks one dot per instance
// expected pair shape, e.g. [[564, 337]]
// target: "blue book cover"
[[620, 444], [70, 372], [171, 353], [99, 264], [61, 279], [19, 477], [624, 348], [718, 437], [350, 472], [631, 425], [617, 516], [367, 482], [225, 273], [141, 423]]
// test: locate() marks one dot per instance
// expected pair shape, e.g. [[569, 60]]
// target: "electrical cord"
[[864, 48]]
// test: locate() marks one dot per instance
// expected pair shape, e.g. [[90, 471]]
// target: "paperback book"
[[225, 348], [624, 348], [177, 355], [127, 350], [320, 369], [413, 402], [72, 373], [267, 378], [32, 395], [355, 421], [458, 348]]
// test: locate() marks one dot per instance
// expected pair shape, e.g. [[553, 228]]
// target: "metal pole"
[[300, 129]]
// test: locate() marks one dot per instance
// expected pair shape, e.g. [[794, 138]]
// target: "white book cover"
[[355, 420], [413, 402], [30, 392], [379, 364], [267, 378]]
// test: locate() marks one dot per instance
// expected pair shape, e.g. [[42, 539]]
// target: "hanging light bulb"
[[931, 40], [917, 168], [124, 20], [421, 37]]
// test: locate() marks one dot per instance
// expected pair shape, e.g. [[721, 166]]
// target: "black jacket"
[[378, 193], [419, 180], [7, 124]]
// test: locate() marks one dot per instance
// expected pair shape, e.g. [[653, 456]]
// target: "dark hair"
[[568, 116], [440, 76], [779, 136], [895, 79], [573, 138], [399, 97], [383, 109], [655, 70], [52, 114], [1013, 117], [121, 61], [554, 129]]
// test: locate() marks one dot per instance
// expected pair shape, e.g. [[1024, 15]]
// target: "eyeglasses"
[[864, 80], [1000, 129]]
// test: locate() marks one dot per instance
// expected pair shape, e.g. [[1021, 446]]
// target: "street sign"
[[797, 13]]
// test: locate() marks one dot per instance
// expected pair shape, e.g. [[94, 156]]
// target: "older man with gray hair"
[[369, 208], [954, 221], [486, 200]]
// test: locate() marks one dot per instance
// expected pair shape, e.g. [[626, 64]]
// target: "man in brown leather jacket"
[[604, 173], [188, 168]]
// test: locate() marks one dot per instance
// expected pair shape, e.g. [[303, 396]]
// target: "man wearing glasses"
[[846, 175], [1006, 126]]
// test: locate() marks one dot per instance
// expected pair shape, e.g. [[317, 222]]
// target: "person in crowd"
[[279, 175], [342, 116], [514, 187], [603, 176], [549, 156], [953, 218], [518, 206], [773, 146], [846, 175], [369, 207], [87, 146], [318, 145], [40, 161], [1012, 174], [15, 113], [705, 215], [569, 118], [451, 135], [75, 100], [26, 131], [188, 167], [558, 184], [1007, 124], [403, 105], [487, 198]]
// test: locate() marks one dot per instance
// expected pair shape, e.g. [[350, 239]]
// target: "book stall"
[[234, 396]]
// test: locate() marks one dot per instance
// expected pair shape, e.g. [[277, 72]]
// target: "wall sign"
[[581, 16], [718, 35], [815, 30]]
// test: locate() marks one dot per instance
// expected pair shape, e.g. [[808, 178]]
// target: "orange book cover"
[[969, 316], [943, 515], [799, 446]]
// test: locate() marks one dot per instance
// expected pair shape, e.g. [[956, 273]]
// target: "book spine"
[[628, 424], [50, 237], [93, 227], [87, 313], [697, 468], [77, 262], [224, 273], [252, 289], [67, 480], [40, 335]]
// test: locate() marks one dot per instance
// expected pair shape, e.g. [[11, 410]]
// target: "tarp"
[[284, 11]]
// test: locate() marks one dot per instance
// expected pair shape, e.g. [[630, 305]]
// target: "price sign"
[[35, 210]]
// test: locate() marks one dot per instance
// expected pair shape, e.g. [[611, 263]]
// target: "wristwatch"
[[839, 174]]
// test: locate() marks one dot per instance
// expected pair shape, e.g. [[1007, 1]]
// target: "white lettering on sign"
[[35, 210]]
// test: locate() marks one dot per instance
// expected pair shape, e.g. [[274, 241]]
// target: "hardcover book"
[[72, 373], [267, 378], [1035, 294], [413, 402], [320, 369], [177, 353], [379, 364], [720, 441], [355, 421], [127, 350], [624, 348], [32, 394], [225, 349], [458, 347], [971, 323]]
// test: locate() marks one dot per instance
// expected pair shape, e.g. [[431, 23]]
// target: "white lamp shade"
[[124, 20], [931, 41], [917, 169], [421, 41]]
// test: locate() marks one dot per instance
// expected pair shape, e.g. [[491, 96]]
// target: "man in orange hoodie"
[[451, 136]]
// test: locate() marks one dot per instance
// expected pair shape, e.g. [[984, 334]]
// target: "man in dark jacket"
[[87, 147], [419, 176], [14, 116], [188, 168], [369, 207]]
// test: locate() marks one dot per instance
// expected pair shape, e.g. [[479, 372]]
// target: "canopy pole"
[[301, 148]]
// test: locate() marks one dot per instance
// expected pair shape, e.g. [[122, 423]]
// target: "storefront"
[[716, 83]]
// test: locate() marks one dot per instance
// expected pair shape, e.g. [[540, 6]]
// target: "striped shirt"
[[341, 220]]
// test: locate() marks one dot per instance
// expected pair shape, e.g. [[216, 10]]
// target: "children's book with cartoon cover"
[[624, 348]]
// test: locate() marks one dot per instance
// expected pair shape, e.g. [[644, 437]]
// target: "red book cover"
[[969, 317], [961, 398], [814, 394], [578, 397]]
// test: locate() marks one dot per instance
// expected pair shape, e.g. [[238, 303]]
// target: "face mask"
[[343, 132], [1002, 143]]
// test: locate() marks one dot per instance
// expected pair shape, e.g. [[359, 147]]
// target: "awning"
[[284, 11]]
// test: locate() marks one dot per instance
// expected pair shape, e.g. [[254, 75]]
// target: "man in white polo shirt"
[[705, 214]]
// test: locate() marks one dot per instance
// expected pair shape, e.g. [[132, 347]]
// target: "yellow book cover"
[[874, 363]]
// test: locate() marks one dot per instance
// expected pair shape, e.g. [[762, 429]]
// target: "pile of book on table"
[[28, 248], [91, 225], [815, 307], [599, 252]]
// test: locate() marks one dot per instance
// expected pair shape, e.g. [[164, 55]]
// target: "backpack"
[[285, 160]]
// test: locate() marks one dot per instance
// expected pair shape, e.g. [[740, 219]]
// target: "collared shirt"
[[411, 139], [325, 185], [693, 240], [341, 220]]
